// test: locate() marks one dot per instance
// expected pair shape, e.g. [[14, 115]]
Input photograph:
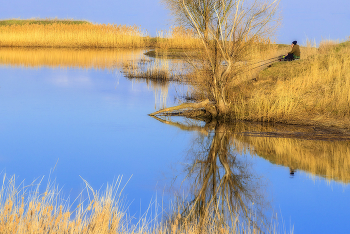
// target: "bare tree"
[[226, 29]]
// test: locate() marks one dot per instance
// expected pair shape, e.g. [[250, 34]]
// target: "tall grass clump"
[[24, 209], [178, 38], [62, 35]]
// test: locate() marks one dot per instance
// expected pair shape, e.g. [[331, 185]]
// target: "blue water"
[[94, 124]]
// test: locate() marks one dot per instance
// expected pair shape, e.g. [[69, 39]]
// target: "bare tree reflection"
[[223, 189]]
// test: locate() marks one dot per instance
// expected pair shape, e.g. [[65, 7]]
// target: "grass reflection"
[[225, 193], [109, 59], [320, 152], [66, 58], [328, 159]]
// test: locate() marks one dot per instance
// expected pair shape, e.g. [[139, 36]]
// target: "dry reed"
[[24, 209], [62, 35], [178, 38]]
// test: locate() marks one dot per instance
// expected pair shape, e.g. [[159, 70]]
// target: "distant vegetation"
[[41, 21], [59, 33], [66, 34]]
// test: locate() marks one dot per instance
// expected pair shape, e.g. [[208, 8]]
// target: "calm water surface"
[[75, 109]]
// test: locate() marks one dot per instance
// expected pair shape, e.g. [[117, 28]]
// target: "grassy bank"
[[313, 90]]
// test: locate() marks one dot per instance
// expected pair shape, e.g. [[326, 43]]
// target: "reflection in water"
[[160, 91], [225, 194], [327, 159], [66, 58], [323, 153], [110, 59], [156, 72], [222, 185]]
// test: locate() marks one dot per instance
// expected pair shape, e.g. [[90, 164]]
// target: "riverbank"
[[311, 91]]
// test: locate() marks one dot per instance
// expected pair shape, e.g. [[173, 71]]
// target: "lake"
[[72, 114]]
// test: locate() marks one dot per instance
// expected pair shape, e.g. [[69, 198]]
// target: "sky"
[[302, 19]]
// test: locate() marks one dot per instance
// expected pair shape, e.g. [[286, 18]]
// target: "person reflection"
[[291, 171]]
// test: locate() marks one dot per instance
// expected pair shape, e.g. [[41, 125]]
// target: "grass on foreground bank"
[[23, 209], [313, 90]]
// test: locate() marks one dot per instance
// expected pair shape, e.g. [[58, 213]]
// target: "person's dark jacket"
[[295, 51]]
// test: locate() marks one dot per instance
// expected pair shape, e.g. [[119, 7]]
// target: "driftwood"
[[206, 108]]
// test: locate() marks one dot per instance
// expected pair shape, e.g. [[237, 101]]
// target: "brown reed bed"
[[25, 209], [177, 38], [62, 35]]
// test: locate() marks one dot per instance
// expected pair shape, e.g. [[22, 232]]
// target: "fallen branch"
[[185, 106]]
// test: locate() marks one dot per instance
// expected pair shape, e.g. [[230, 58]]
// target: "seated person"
[[294, 54]]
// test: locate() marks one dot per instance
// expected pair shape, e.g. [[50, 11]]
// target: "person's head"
[[294, 43]]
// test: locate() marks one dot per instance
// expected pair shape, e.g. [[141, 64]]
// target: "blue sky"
[[301, 18]]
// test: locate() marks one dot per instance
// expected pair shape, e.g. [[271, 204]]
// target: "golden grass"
[[66, 57], [24, 209], [28, 211], [62, 35], [82, 34], [177, 38], [313, 90]]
